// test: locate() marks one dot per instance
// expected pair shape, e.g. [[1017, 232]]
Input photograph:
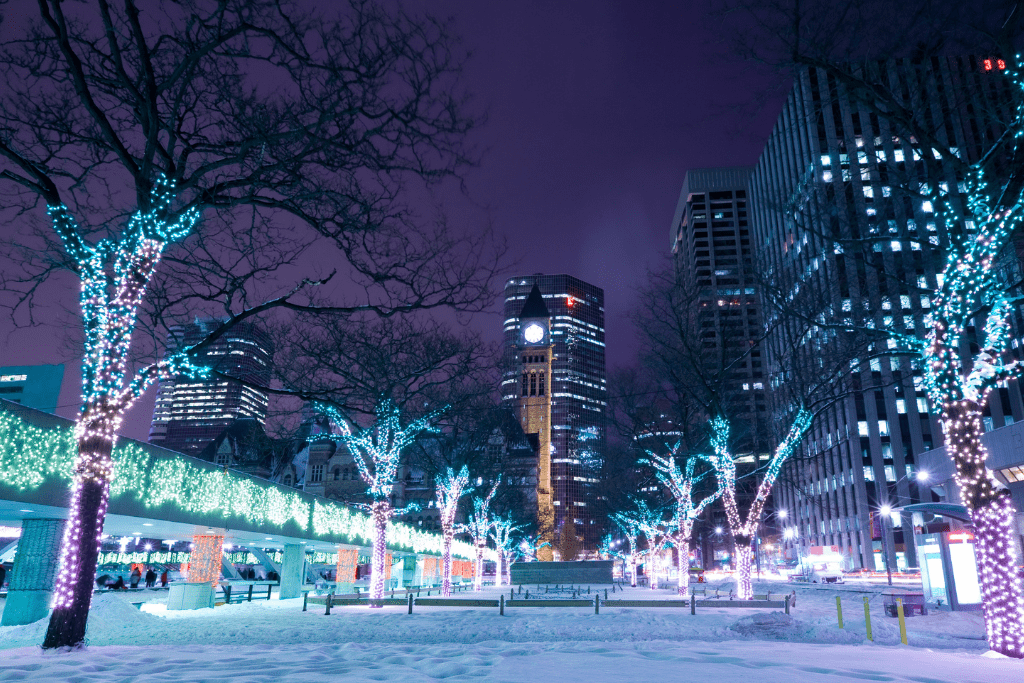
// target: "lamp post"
[[885, 509], [886, 512]]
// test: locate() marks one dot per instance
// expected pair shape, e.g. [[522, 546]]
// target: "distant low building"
[[34, 386], [322, 465]]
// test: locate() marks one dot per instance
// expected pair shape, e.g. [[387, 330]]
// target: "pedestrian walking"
[[135, 578], [150, 578]]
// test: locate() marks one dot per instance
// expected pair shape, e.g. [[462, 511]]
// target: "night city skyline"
[[587, 142], [577, 340]]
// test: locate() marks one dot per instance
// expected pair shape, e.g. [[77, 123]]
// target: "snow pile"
[[781, 626], [112, 614]]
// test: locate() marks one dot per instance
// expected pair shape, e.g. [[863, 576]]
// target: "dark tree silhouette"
[[237, 143]]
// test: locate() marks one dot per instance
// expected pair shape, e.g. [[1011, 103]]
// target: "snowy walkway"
[[276, 641]]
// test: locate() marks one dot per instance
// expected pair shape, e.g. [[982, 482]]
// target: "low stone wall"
[[575, 573]]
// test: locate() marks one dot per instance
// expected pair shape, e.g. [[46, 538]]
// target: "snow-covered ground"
[[276, 641]]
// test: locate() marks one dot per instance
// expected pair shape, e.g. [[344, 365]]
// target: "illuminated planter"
[[190, 596]]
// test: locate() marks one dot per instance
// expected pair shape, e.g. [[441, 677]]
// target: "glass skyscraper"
[[577, 389], [834, 168], [190, 413]]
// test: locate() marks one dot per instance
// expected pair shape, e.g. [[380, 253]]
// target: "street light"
[[886, 511], [921, 476]]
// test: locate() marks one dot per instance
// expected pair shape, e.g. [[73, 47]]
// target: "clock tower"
[[533, 358]]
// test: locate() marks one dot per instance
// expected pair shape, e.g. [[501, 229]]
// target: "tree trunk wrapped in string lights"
[[680, 485], [449, 488], [659, 534], [478, 526], [377, 452], [724, 466], [114, 277], [503, 530], [629, 525], [959, 387]]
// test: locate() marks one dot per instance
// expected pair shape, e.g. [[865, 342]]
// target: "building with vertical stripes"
[[564, 368], [834, 168]]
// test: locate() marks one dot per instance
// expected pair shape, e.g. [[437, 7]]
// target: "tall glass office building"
[[190, 413], [578, 390], [834, 167]]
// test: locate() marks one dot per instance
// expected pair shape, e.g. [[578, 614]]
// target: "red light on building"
[[960, 537], [1001, 63], [988, 65], [991, 64]]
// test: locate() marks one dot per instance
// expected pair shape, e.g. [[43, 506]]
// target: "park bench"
[[729, 604], [717, 593], [645, 603], [244, 591]]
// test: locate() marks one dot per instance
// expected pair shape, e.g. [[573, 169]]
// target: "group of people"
[[135, 579]]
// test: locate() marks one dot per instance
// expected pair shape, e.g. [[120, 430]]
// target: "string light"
[[206, 558], [448, 489], [680, 485], [345, 568], [31, 456], [971, 282], [503, 530], [724, 466], [115, 275], [632, 523], [529, 546], [377, 452], [478, 526]]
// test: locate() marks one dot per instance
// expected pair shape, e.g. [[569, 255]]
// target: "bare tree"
[[697, 354], [680, 483], [191, 133]]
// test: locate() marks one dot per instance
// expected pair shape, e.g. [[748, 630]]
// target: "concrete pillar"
[[292, 567], [34, 572]]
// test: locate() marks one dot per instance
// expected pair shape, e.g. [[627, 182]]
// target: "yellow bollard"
[[839, 610], [867, 617], [903, 622]]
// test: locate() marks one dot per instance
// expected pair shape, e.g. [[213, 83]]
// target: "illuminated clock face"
[[533, 333]]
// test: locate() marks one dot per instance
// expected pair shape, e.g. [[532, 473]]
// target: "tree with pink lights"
[[658, 533], [503, 530], [377, 452], [631, 523], [449, 487], [478, 526], [680, 482]]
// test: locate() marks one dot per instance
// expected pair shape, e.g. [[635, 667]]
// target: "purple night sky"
[[596, 111]]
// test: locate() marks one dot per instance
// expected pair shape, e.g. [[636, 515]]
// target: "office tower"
[[714, 260], [190, 413], [554, 378], [35, 386], [834, 167]]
